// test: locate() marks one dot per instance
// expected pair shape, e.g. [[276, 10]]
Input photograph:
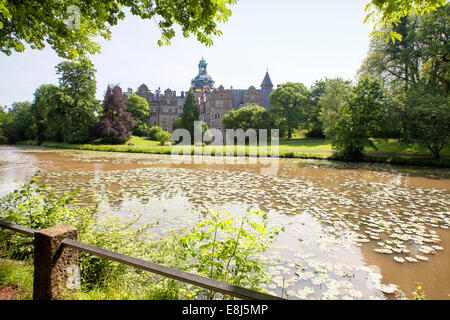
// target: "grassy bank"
[[19, 275], [388, 150]]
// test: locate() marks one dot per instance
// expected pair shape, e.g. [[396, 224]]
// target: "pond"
[[352, 230]]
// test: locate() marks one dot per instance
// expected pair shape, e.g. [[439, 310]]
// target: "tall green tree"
[[191, 113], [70, 27], [429, 118], [316, 91], [5, 120], [289, 106], [336, 93], [20, 127], [420, 62], [46, 98], [359, 119], [140, 111], [249, 117], [423, 54], [75, 112]]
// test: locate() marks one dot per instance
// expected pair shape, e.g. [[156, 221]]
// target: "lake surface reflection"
[[353, 231]]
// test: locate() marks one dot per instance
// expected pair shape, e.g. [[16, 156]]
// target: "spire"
[[267, 83], [202, 67], [202, 79]]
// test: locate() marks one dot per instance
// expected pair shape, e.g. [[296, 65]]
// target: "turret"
[[267, 83]]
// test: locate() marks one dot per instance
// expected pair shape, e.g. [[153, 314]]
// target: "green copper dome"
[[202, 78]]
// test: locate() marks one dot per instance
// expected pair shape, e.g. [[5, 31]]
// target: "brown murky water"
[[353, 231]]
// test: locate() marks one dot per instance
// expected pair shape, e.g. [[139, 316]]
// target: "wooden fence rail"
[[56, 251]]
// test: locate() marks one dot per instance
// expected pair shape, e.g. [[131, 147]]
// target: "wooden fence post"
[[53, 264]]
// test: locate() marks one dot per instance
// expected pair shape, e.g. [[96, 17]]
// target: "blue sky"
[[299, 41]]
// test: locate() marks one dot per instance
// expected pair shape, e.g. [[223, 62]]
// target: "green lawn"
[[394, 146], [383, 146], [389, 150]]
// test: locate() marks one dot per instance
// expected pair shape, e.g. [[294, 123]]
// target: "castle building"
[[214, 103]]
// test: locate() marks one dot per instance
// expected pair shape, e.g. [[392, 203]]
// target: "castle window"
[[165, 110], [219, 103], [164, 120], [217, 116]]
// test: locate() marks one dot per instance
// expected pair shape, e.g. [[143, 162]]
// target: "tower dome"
[[203, 78]]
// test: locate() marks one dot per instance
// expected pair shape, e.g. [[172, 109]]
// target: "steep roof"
[[267, 81]]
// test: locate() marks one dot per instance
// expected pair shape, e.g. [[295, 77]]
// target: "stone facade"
[[213, 102]]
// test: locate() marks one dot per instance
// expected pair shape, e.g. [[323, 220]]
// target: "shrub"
[[163, 137], [153, 131], [35, 207], [226, 249]]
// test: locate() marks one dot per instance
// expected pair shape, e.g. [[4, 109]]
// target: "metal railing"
[[200, 281]]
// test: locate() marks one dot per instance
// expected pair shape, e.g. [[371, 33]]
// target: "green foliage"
[[36, 207], [140, 111], [190, 114], [387, 13], [69, 27], [19, 123], [314, 128], [5, 119], [421, 55], [249, 117], [227, 249], [29, 206], [153, 131], [416, 73], [46, 98], [163, 137], [336, 93], [18, 274], [428, 118], [74, 114], [358, 120], [289, 103]]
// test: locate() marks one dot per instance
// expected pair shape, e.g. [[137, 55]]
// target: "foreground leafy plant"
[[226, 249]]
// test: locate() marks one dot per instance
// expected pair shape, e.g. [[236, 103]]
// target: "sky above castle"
[[298, 40]]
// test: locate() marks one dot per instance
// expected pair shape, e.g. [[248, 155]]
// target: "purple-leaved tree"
[[115, 122]]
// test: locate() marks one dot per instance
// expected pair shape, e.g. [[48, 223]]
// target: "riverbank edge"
[[419, 160]]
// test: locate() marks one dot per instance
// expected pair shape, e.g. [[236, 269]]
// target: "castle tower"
[[267, 83], [202, 80]]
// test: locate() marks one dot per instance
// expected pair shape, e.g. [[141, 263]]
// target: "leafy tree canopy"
[[428, 118], [359, 119], [140, 111], [249, 117], [69, 27], [387, 13], [336, 92], [46, 99], [423, 54], [75, 112], [290, 103]]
